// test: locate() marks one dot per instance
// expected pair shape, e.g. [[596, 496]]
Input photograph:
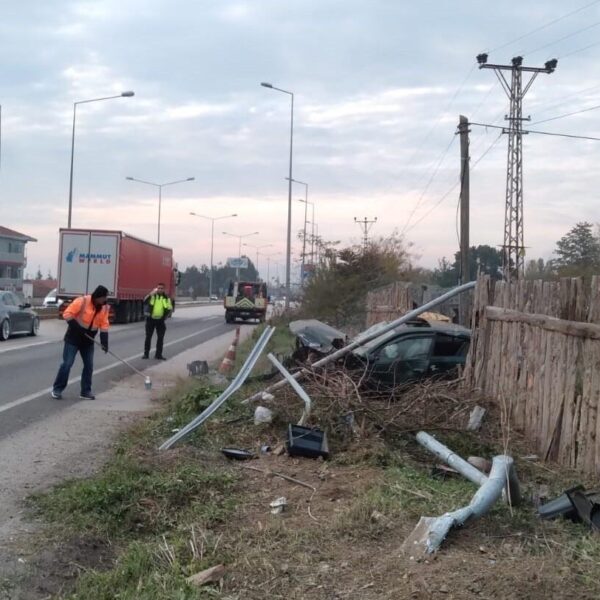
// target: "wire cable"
[[552, 133], [566, 37], [454, 186], [546, 25], [576, 112]]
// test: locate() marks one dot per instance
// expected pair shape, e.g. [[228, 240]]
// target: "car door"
[[401, 359], [449, 352], [12, 310]]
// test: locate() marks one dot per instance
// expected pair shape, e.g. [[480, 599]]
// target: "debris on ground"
[[197, 367], [575, 504], [262, 415], [211, 575], [238, 453], [307, 442], [483, 464], [476, 418], [278, 505]]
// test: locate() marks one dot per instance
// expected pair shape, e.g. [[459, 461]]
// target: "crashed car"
[[419, 349]]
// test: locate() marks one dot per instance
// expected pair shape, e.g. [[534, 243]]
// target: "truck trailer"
[[126, 265]]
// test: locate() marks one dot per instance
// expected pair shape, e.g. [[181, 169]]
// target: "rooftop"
[[11, 233]]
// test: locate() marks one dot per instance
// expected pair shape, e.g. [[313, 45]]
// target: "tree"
[[336, 292], [578, 252], [482, 259], [539, 269], [38, 275]]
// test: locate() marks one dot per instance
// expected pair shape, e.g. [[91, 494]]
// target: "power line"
[[566, 37], [545, 26], [454, 186], [552, 133], [579, 50], [577, 112], [429, 182]]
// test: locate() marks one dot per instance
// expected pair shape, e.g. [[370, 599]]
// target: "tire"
[[35, 327], [4, 330]]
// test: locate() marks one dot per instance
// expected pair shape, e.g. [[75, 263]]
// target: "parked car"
[[420, 349], [16, 316], [51, 299]]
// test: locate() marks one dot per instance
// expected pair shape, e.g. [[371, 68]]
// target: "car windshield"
[[365, 349]]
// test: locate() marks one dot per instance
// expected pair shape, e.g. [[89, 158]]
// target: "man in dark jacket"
[[85, 316], [159, 307]]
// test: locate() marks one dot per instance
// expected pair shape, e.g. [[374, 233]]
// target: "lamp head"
[[127, 94], [190, 179], [129, 178], [267, 85]]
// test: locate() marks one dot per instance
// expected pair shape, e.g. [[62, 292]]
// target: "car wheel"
[[5, 330], [35, 326]]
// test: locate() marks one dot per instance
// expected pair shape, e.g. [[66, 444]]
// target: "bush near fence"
[[536, 351]]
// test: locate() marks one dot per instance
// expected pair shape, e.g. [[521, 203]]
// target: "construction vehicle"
[[127, 266], [246, 300]]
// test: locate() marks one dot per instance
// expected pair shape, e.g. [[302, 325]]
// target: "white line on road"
[[47, 391]]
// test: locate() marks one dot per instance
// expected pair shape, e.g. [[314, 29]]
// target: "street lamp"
[[212, 240], [305, 217], [160, 186], [239, 237], [288, 258], [128, 94], [257, 249], [268, 257]]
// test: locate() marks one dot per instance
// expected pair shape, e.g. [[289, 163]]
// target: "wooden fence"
[[392, 301], [536, 350]]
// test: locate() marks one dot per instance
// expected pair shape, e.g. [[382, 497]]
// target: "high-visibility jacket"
[[90, 319], [160, 306]]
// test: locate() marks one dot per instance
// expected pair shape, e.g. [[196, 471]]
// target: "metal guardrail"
[[233, 387]]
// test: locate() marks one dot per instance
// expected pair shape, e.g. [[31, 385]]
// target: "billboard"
[[238, 263]]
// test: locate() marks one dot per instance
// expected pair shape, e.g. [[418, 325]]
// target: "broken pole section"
[[465, 274]]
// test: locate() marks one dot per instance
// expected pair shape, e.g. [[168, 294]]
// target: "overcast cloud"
[[375, 86]]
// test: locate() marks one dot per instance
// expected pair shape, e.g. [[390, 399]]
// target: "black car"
[[416, 350], [16, 316]]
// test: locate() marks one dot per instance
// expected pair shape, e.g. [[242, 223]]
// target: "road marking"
[[47, 391], [127, 327]]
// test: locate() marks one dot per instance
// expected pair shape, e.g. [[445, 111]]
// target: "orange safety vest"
[[82, 309]]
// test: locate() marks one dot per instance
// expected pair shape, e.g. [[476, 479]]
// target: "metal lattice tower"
[[365, 226], [513, 248]]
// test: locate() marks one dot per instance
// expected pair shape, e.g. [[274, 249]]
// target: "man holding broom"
[[85, 316]]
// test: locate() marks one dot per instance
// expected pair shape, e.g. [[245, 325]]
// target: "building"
[[13, 258], [35, 290]]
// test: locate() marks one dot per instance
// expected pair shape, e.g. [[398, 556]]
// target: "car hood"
[[317, 335]]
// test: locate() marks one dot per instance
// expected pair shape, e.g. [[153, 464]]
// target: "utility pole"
[[513, 248], [465, 274], [365, 226]]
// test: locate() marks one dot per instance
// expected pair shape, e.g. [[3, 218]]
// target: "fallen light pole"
[[361, 340], [303, 395], [430, 532]]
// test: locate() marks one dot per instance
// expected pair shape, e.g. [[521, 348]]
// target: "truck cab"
[[246, 300]]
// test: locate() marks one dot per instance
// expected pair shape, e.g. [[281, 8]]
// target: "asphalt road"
[[28, 365]]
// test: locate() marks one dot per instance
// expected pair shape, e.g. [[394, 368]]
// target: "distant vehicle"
[[51, 299], [16, 316], [213, 298], [128, 266], [246, 300]]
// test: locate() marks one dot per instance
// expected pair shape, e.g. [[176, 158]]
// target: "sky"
[[378, 87]]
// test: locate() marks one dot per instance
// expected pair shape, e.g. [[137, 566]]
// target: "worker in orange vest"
[[85, 316]]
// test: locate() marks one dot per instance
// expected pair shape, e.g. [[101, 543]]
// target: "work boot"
[[160, 357], [56, 395], [144, 356], [87, 396]]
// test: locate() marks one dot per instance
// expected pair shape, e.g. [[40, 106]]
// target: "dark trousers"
[[69, 353], [151, 325]]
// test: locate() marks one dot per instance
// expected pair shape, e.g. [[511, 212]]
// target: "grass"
[[132, 498]]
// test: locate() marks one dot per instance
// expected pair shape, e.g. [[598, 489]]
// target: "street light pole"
[[239, 237], [212, 242], [288, 258], [128, 94], [304, 233], [257, 251], [160, 186]]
